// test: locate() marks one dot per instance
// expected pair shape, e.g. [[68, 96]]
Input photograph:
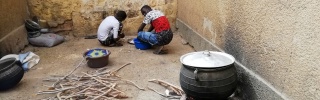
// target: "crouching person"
[[159, 33], [109, 31]]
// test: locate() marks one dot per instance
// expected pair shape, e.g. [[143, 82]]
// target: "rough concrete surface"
[[276, 39], [61, 59], [250, 86], [13, 42], [86, 15], [13, 36], [12, 15]]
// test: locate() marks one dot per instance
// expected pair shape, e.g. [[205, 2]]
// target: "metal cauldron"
[[208, 75]]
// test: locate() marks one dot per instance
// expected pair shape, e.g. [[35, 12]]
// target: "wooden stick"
[[101, 69], [170, 97], [100, 81], [174, 90], [105, 98], [95, 90], [59, 90], [166, 84], [58, 96], [54, 85], [161, 82], [135, 85], [157, 92], [110, 89], [96, 79], [121, 96], [55, 91], [99, 84], [70, 96], [114, 72], [83, 90]]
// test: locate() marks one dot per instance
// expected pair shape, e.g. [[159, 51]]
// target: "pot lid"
[[207, 59]]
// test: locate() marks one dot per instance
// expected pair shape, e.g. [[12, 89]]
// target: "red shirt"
[[161, 24], [157, 20]]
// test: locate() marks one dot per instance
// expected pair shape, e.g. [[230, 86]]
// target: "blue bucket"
[[141, 45]]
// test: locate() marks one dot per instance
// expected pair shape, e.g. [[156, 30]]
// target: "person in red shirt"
[[159, 33]]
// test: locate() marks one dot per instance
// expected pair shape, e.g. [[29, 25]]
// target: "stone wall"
[[275, 42], [13, 36], [82, 17]]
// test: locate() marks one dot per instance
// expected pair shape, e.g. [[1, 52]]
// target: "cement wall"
[[82, 17], [275, 42], [13, 36]]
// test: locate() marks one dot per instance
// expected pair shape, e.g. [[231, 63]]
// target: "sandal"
[[130, 41], [161, 52]]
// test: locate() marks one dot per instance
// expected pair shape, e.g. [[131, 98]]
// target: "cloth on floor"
[[28, 60]]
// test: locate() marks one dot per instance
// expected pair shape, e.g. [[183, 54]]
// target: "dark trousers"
[[110, 40]]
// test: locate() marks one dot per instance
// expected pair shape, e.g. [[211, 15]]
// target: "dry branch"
[[114, 72], [105, 93], [170, 97], [58, 96], [135, 85], [176, 89], [54, 85], [98, 84]]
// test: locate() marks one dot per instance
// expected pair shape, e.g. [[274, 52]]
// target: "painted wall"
[[13, 36], [276, 40], [82, 17]]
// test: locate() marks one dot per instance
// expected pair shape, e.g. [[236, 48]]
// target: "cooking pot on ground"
[[11, 73], [97, 58], [208, 75]]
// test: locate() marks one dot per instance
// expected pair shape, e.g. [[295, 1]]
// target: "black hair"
[[145, 7], [121, 15]]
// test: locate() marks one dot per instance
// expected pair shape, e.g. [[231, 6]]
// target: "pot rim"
[[230, 57], [12, 61], [85, 54]]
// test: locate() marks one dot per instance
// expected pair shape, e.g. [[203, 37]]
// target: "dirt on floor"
[[61, 59]]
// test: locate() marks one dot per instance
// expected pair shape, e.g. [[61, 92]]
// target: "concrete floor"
[[61, 59]]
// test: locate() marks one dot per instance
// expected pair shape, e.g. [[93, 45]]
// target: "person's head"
[[120, 15], [145, 9]]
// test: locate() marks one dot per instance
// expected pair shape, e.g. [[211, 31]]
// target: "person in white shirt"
[[109, 31]]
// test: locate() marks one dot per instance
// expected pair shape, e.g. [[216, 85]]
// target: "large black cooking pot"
[[208, 75], [11, 73]]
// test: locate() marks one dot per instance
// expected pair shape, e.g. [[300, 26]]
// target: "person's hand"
[[121, 35]]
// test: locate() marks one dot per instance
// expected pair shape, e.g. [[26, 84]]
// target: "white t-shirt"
[[152, 15], [109, 26]]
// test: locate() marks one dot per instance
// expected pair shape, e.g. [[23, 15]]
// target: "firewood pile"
[[100, 84], [96, 85]]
